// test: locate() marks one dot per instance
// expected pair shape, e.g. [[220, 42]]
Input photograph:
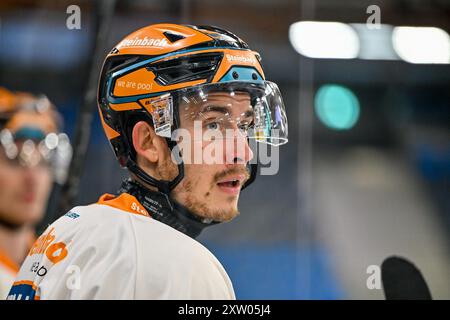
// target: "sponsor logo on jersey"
[[45, 244], [72, 215], [138, 209]]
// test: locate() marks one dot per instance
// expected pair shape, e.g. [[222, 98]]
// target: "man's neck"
[[164, 209], [16, 243]]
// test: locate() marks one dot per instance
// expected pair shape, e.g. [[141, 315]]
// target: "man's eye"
[[213, 126]]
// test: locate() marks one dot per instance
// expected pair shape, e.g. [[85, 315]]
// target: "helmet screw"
[[254, 76], [235, 75]]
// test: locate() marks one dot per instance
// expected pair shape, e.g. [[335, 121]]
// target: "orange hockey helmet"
[[30, 132], [146, 75]]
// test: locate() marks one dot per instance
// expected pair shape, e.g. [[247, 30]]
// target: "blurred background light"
[[330, 40], [422, 44], [375, 44], [33, 42], [337, 107], [335, 40]]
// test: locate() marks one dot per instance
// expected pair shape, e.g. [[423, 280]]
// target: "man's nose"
[[30, 175], [238, 149]]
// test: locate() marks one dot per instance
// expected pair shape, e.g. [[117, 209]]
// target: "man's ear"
[[145, 141]]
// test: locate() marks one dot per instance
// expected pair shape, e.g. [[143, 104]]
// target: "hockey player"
[[28, 128], [179, 105]]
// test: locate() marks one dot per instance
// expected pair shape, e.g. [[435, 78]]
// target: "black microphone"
[[402, 280]]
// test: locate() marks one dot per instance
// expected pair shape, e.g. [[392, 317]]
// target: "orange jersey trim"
[[8, 263], [26, 282], [125, 202]]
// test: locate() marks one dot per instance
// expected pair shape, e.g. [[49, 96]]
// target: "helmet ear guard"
[[161, 129], [123, 148]]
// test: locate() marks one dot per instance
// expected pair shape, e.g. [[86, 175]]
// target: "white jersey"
[[114, 250], [8, 272]]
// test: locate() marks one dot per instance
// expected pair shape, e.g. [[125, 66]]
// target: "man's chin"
[[223, 214], [217, 208], [231, 216]]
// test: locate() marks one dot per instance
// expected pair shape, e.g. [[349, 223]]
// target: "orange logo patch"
[[55, 252]]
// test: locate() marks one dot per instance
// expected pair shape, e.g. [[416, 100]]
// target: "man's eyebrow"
[[214, 108], [225, 110]]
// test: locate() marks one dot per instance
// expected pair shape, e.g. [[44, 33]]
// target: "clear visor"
[[223, 111], [53, 151]]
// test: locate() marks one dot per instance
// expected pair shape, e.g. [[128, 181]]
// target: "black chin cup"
[[164, 209]]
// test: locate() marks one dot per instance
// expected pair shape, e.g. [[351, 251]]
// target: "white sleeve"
[[78, 258], [172, 265]]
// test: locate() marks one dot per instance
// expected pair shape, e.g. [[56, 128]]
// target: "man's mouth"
[[232, 184], [28, 197]]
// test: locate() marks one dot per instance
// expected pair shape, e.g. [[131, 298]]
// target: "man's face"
[[23, 191], [211, 186]]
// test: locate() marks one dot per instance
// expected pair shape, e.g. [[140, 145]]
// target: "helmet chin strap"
[[163, 186], [166, 210]]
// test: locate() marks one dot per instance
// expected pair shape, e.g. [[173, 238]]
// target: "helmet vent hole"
[[187, 68], [173, 37]]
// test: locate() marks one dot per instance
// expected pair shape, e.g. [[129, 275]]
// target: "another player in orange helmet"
[[180, 105], [28, 142]]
